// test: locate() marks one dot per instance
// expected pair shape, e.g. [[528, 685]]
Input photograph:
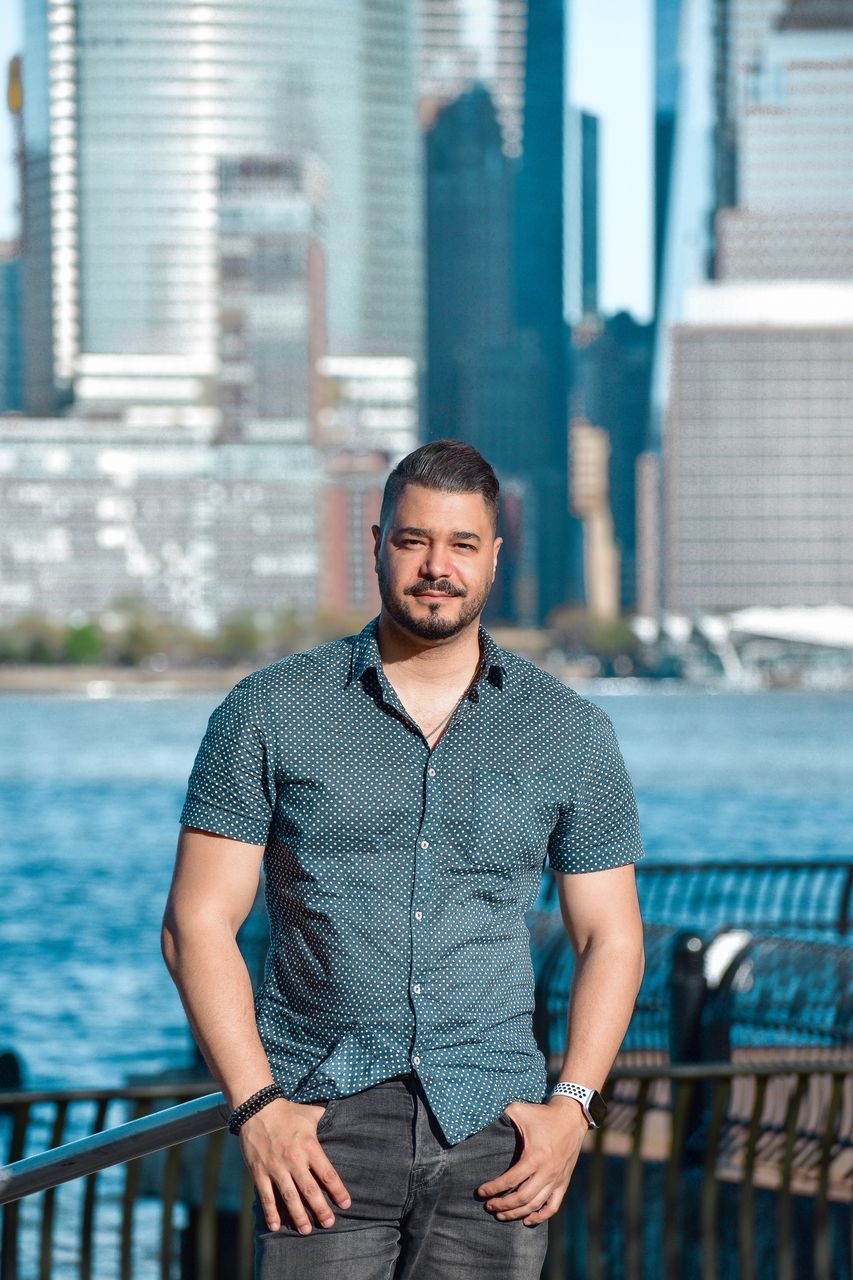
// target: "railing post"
[[687, 991], [687, 996]]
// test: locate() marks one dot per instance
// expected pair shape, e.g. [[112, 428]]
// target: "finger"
[[523, 1210], [514, 1175], [546, 1210], [331, 1179], [293, 1201], [266, 1195], [524, 1200], [312, 1196]]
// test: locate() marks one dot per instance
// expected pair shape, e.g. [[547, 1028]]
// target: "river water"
[[91, 789]]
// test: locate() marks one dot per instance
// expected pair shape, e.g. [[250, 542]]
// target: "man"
[[403, 787]]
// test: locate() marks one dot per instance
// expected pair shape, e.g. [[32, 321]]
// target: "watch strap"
[[580, 1092]]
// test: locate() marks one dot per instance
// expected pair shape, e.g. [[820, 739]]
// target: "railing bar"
[[101, 1150], [680, 1111], [21, 1110], [709, 1186], [128, 1092], [556, 1264], [784, 1239], [746, 1205], [822, 1238], [634, 1189], [48, 1203], [595, 1211], [87, 1220], [246, 1237], [128, 1200], [675, 1071], [171, 1175], [207, 1217]]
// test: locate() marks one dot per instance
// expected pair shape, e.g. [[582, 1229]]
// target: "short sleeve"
[[599, 825], [230, 792]]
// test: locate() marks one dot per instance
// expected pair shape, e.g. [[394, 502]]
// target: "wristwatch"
[[594, 1106]]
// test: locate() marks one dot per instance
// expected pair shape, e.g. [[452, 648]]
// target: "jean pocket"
[[326, 1117], [504, 1119]]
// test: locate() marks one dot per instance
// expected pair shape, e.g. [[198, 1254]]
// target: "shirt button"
[[425, 844], [419, 915], [431, 772], [416, 1060], [417, 988]]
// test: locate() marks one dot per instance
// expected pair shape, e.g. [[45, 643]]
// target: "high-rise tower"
[[129, 109]]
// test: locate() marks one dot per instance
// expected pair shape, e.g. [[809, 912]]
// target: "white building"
[[758, 464], [128, 109]]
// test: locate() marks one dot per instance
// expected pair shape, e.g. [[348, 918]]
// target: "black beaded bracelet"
[[253, 1105]]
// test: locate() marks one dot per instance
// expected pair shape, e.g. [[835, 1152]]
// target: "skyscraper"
[[758, 459], [447, 65], [469, 256], [611, 392], [794, 218], [589, 213], [541, 298], [667, 25], [498, 292], [129, 108], [508, 79]]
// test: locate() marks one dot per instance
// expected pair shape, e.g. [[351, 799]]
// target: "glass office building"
[[128, 110]]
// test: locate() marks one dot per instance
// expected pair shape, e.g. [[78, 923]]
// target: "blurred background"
[[254, 253], [251, 254]]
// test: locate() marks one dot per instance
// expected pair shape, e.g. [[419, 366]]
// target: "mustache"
[[441, 587]]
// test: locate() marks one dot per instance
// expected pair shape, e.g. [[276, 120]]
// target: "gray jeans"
[[415, 1214]]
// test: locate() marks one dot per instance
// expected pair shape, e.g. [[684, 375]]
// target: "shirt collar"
[[366, 657]]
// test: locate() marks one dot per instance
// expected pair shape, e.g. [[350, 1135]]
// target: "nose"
[[436, 564]]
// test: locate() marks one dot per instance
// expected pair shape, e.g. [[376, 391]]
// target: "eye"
[[469, 546]]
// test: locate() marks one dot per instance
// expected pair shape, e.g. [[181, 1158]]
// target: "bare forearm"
[[604, 990], [216, 992]]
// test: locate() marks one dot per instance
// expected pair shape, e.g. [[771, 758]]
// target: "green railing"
[[702, 1170]]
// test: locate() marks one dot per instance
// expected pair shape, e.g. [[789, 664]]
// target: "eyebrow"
[[427, 533]]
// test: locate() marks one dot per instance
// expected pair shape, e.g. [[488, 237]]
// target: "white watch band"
[[579, 1092]]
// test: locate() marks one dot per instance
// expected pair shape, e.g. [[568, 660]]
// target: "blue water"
[[90, 792]]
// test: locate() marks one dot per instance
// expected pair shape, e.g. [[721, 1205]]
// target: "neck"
[[428, 662]]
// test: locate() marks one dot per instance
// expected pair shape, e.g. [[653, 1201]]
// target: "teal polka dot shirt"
[[397, 878]]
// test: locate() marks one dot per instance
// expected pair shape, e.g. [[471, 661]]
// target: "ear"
[[497, 546], [377, 540]]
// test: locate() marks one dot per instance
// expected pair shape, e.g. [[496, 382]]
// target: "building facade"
[[11, 354], [272, 302], [99, 512], [759, 455], [128, 111], [757, 459]]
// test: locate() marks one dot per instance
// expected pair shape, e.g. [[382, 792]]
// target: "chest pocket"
[[509, 819]]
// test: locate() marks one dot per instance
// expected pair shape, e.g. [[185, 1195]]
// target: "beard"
[[435, 625]]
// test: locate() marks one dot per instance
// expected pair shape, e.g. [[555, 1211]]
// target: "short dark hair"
[[451, 466]]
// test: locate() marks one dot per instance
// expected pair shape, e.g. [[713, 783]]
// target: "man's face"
[[436, 562]]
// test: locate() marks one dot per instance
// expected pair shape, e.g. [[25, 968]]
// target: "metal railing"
[[805, 897], [711, 1171]]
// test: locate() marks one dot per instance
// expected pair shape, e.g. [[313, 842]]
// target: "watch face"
[[597, 1107]]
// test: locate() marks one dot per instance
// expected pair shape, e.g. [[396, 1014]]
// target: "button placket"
[[422, 878]]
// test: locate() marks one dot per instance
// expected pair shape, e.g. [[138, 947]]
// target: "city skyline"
[[609, 77]]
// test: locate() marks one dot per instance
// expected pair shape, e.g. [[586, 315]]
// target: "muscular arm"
[[213, 888], [601, 915]]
